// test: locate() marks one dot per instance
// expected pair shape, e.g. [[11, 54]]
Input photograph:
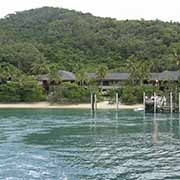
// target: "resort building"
[[116, 80], [65, 76], [112, 80]]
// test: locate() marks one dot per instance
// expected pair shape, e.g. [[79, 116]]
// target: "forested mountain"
[[75, 40]]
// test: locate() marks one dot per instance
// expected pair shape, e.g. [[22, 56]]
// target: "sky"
[[166, 10]]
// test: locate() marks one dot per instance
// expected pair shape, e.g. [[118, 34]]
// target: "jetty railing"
[[162, 103]]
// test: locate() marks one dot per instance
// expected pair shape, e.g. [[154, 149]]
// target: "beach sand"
[[46, 105]]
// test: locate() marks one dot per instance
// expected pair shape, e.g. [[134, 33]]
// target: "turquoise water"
[[77, 145]]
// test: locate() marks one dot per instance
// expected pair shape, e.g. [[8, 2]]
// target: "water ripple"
[[76, 145]]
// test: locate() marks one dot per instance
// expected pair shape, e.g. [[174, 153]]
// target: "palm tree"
[[40, 68], [144, 70], [82, 77], [54, 76], [101, 73], [177, 56], [139, 70], [24, 78], [133, 70]]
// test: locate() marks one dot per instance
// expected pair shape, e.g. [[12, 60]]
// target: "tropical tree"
[[82, 77], [177, 56], [139, 70], [144, 70], [3, 73], [133, 70], [54, 76], [9, 72], [40, 68], [25, 91], [21, 55], [101, 73]]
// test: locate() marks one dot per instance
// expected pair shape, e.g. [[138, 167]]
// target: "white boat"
[[139, 109]]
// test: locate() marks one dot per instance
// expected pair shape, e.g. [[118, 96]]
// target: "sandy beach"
[[46, 105]]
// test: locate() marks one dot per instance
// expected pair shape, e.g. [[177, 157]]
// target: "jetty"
[[162, 103]]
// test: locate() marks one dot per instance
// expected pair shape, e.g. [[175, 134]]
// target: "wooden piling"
[[154, 102], [179, 102], [171, 102], [95, 101], [91, 101], [117, 101], [144, 101]]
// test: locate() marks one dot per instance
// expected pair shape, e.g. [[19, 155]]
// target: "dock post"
[[171, 103], [117, 101], [95, 101], [179, 102], [154, 102], [92, 101], [144, 101]]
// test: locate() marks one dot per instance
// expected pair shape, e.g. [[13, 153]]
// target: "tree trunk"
[[101, 86]]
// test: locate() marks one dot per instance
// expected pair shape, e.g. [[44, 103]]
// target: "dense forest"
[[74, 40], [45, 40]]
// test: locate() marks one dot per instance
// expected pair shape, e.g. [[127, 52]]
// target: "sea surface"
[[80, 145]]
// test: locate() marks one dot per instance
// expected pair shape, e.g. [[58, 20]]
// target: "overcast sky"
[[166, 10]]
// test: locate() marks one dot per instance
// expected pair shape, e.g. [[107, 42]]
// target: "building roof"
[[117, 76], [169, 75], [163, 76], [65, 75], [112, 76], [43, 77]]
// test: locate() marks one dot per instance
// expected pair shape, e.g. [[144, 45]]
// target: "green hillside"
[[75, 40]]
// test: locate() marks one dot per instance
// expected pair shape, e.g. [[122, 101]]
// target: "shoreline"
[[46, 105]]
